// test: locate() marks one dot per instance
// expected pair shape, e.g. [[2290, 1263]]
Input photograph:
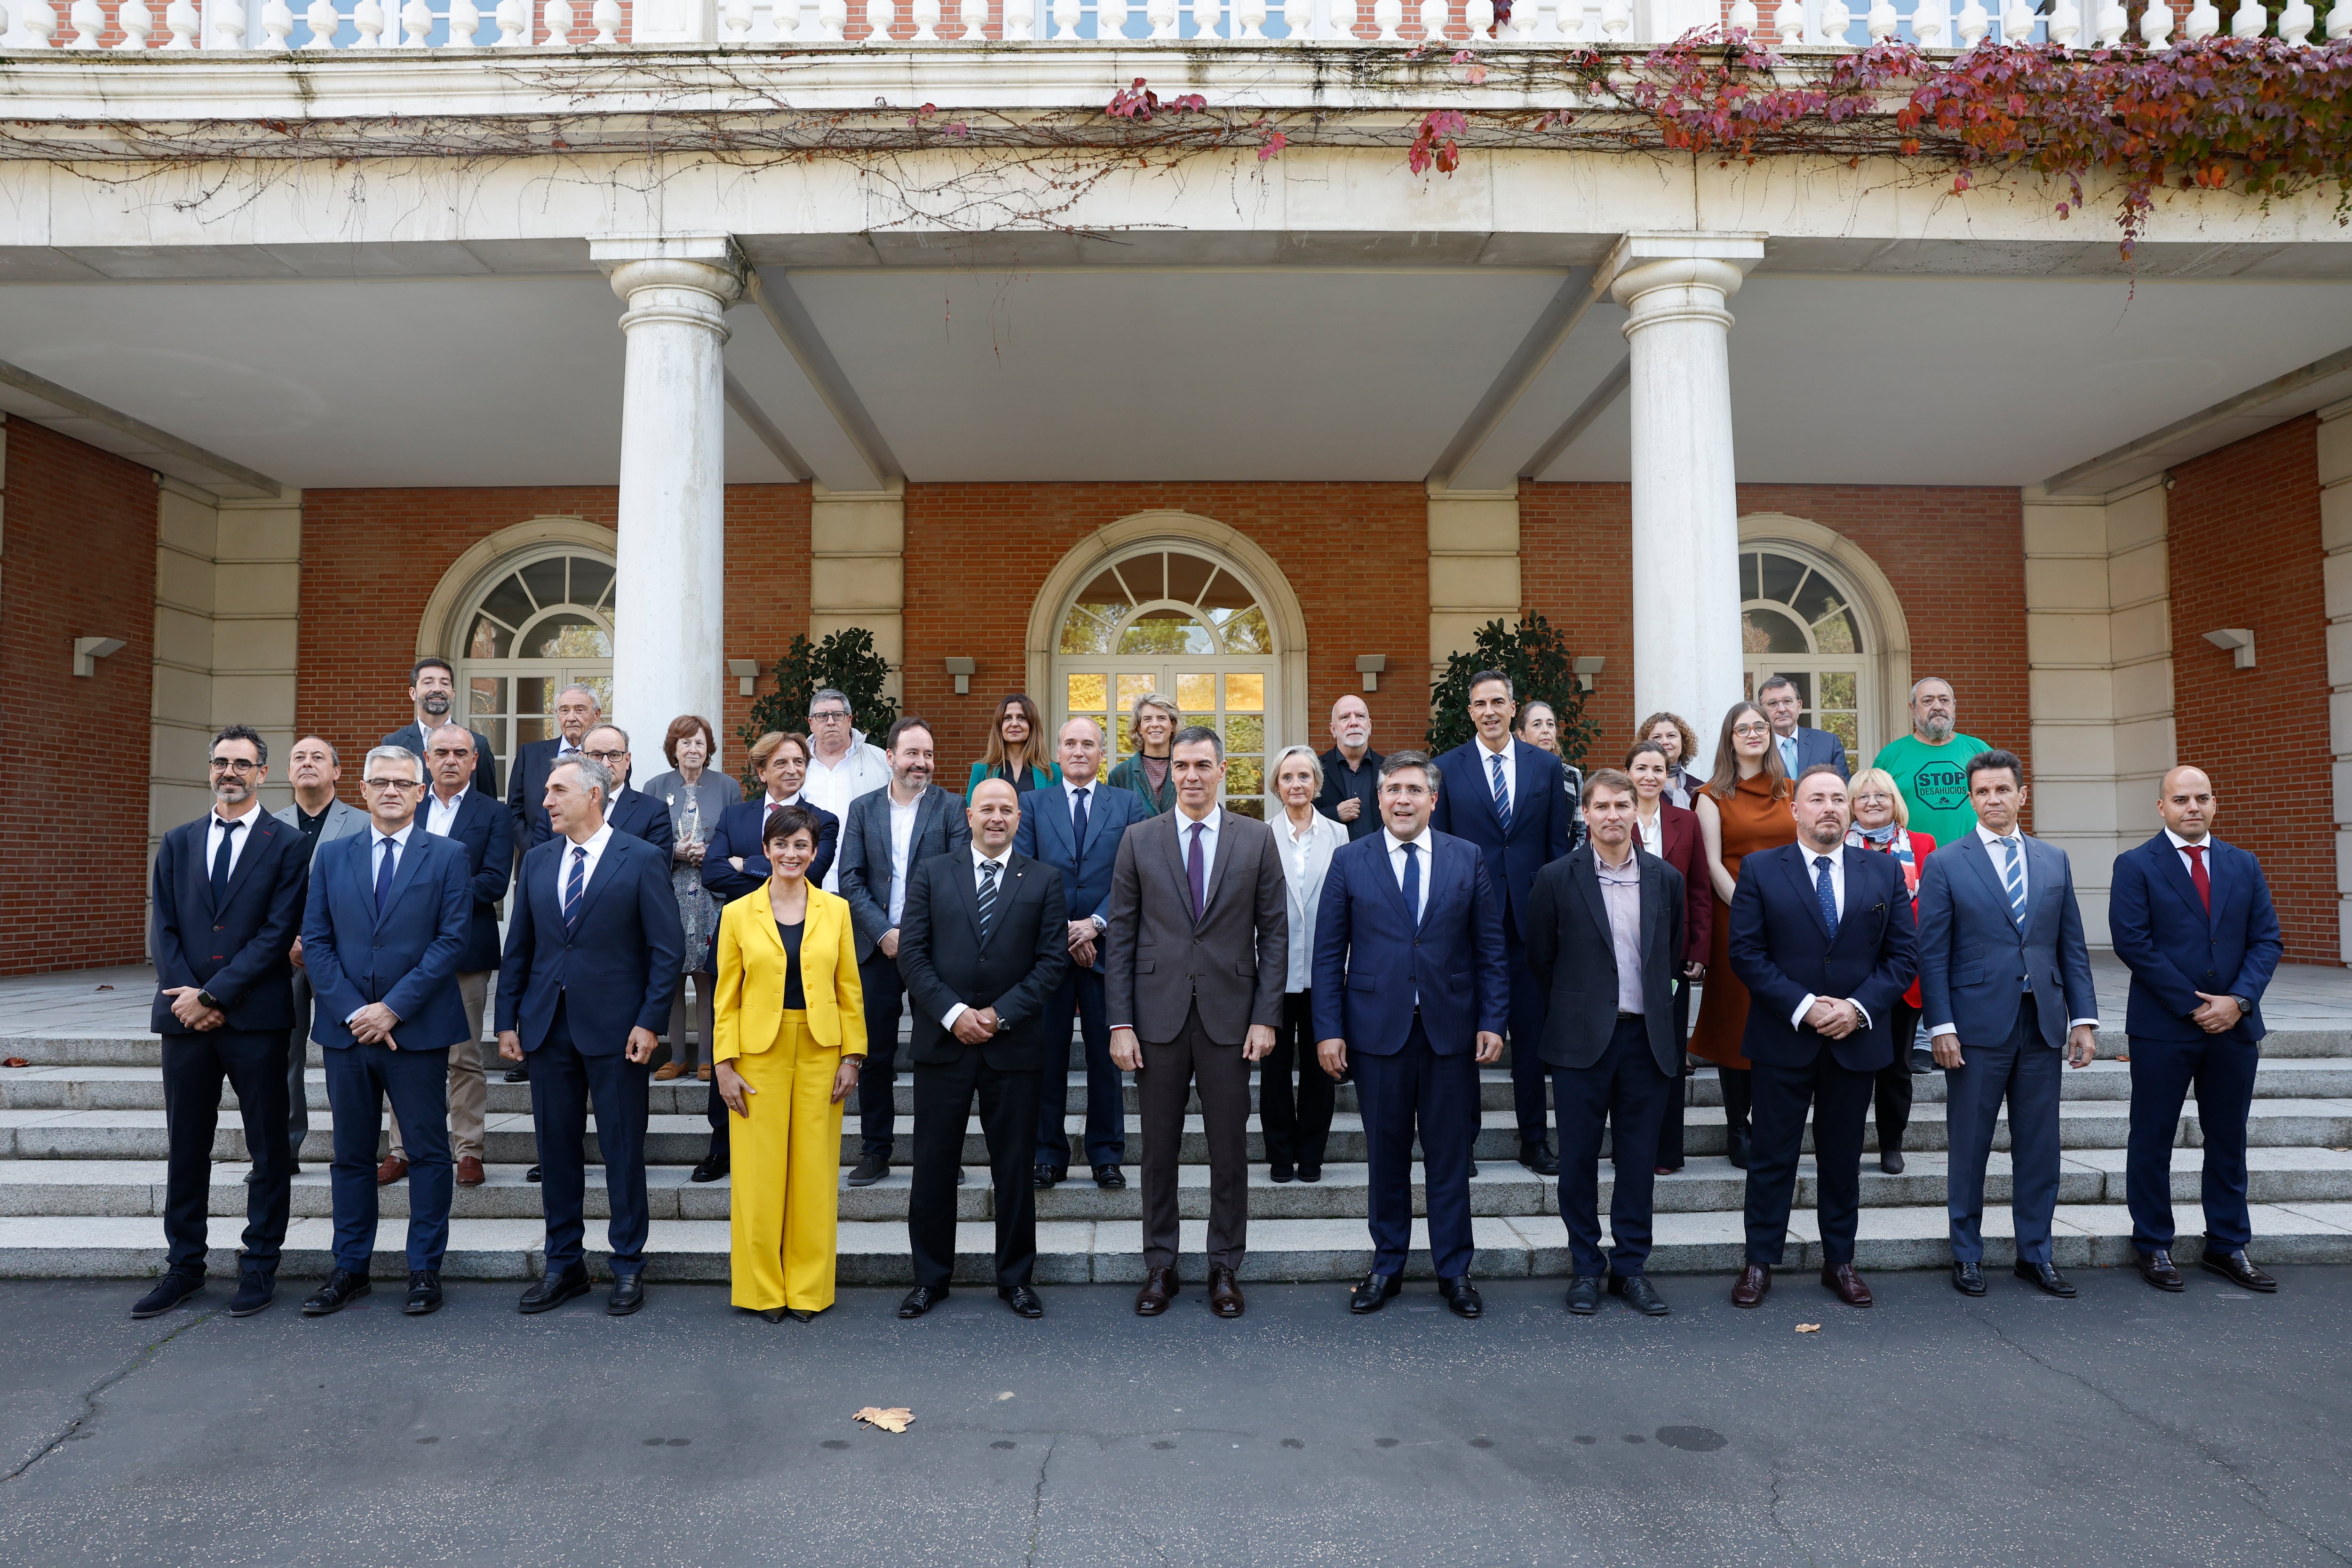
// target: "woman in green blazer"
[[1017, 751]]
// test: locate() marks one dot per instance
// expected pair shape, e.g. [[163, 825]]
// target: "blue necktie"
[[1826, 892], [1502, 795], [1078, 826], [223, 858], [387, 852], [1413, 883], [1789, 754], [2014, 881], [574, 883]]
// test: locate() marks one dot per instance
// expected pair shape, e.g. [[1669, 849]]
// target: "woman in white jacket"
[[1298, 1122]]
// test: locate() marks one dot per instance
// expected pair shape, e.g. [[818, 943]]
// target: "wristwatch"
[[209, 1000], [2245, 1006]]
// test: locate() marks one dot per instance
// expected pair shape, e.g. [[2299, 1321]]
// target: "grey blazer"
[[1306, 886], [864, 861], [343, 819], [1158, 965]]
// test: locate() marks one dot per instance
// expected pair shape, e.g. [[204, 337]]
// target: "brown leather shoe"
[[1225, 1293], [1159, 1285], [1755, 1284], [702, 1073], [391, 1171], [1847, 1284], [469, 1171], [669, 1070]]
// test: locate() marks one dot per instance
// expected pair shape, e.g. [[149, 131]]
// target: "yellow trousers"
[[786, 1205]]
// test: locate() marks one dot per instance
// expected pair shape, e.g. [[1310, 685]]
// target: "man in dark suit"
[[1410, 993], [630, 811], [887, 832], [2005, 975], [578, 710], [314, 769], [433, 693], [594, 948], [1605, 940], [1800, 745], [1821, 937], [227, 900], [1510, 799], [982, 944], [1351, 771], [384, 926], [1195, 957], [483, 827], [2191, 917], [1074, 827]]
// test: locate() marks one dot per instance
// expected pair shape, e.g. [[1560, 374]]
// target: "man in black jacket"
[[982, 946]]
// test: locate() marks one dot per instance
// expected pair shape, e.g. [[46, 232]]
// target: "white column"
[[1687, 648], [669, 609]]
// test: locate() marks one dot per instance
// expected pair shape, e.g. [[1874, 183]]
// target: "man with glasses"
[[228, 898], [630, 811], [314, 768], [842, 765], [433, 694], [577, 710], [386, 927], [1930, 764]]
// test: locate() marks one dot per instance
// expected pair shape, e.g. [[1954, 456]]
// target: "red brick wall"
[[79, 562], [1357, 555], [2245, 552], [372, 558]]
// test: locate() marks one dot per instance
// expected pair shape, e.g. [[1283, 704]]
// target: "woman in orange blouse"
[[1744, 807]]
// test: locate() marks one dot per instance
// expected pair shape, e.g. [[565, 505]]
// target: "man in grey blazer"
[[314, 769], [886, 835], [1196, 954]]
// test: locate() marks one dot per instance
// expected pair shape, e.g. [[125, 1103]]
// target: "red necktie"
[[2196, 853]]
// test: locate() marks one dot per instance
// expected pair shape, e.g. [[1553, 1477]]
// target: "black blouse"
[[796, 999]]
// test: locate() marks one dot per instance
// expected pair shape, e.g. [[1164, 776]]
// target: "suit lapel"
[[1974, 853], [403, 873], [967, 882], [1222, 855], [1810, 895], [1653, 895], [606, 868], [264, 828], [2175, 876]]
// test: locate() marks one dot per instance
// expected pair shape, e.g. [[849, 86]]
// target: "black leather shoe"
[[1160, 1288], [713, 1166], [1021, 1299], [1461, 1297], [532, 1174], [553, 1289], [1584, 1295], [1281, 1171], [2157, 1268], [1538, 1158], [922, 1299], [1314, 1173], [1968, 1278], [2234, 1266], [1109, 1178], [2044, 1276], [517, 1075], [1372, 1292], [1640, 1294], [255, 1291], [1735, 1149], [1042, 1177], [962, 1175], [423, 1293], [169, 1292], [772, 1314], [628, 1295], [342, 1287], [1891, 1162], [869, 1170]]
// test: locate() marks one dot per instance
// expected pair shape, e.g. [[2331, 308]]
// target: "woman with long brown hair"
[[1017, 751], [1742, 808]]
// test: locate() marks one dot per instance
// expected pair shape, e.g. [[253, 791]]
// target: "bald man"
[[2191, 917], [1351, 771]]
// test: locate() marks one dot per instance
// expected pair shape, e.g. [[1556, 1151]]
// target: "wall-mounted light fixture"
[[2240, 640], [963, 670], [1586, 669], [88, 651], [1371, 666], [745, 671]]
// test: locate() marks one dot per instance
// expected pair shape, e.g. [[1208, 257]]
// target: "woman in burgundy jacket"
[[1671, 833]]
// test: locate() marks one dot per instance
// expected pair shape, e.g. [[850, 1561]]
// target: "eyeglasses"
[[1751, 729], [830, 716], [392, 783], [233, 765], [604, 756]]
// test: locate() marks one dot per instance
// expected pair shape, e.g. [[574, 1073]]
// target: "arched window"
[[1177, 621], [543, 622], [1798, 620]]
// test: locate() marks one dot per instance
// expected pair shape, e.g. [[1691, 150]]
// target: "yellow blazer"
[[747, 1009]]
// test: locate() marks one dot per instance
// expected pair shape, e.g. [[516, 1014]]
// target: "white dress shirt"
[[902, 845], [595, 844], [1837, 891], [1653, 829], [978, 860], [2000, 853], [1216, 823], [216, 827], [2188, 862], [441, 816], [1509, 754]]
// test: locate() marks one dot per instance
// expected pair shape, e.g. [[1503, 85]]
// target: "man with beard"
[[433, 694], [1351, 771], [1930, 764]]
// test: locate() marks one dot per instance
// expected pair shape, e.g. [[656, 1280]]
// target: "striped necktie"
[[988, 869], [1502, 791], [574, 883], [2013, 879]]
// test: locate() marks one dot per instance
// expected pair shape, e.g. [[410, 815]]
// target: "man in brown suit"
[[1195, 958]]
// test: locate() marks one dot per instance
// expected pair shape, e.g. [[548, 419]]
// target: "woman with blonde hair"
[[1882, 821], [1742, 808]]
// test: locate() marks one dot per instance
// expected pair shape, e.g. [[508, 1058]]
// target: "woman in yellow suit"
[[790, 1036]]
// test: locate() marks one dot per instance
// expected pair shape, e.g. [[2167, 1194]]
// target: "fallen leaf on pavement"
[[106, 988], [894, 1419], [1809, 1328], [15, 1062]]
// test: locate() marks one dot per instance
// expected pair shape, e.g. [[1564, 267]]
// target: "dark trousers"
[[1417, 1086], [2220, 1068], [1163, 1086], [878, 1097], [1839, 1098], [1625, 1089], [1893, 1090], [1297, 1123], [565, 1081], [1008, 1119], [2025, 1071], [1735, 1100], [1082, 989], [297, 1056], [1529, 1009], [1670, 1125], [359, 1079], [254, 1063]]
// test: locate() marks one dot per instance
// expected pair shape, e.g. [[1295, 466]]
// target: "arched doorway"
[[1816, 608], [543, 622]]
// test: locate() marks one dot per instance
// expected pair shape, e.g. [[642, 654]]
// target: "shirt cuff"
[[2078, 1023], [1936, 1029], [353, 1014], [958, 1011], [1797, 1018]]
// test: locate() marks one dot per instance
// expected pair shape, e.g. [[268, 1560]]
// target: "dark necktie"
[[387, 862], [1413, 883], [225, 857], [987, 897], [1078, 825], [1195, 872], [2196, 853], [574, 884], [1823, 890], [1502, 794]]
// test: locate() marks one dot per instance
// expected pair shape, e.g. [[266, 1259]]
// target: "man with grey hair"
[[630, 811], [842, 763], [578, 710], [1930, 764], [1150, 771], [314, 768]]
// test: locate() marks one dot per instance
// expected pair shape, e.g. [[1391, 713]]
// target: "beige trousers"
[[469, 1092]]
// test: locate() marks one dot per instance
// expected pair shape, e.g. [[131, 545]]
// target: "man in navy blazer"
[[887, 832], [593, 950], [1411, 995], [1510, 800], [2006, 978], [630, 811], [578, 710], [1821, 937], [384, 927], [1074, 827], [2191, 917], [433, 693], [227, 900], [1800, 745]]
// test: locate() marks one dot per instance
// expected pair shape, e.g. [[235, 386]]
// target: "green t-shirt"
[[1935, 783]]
